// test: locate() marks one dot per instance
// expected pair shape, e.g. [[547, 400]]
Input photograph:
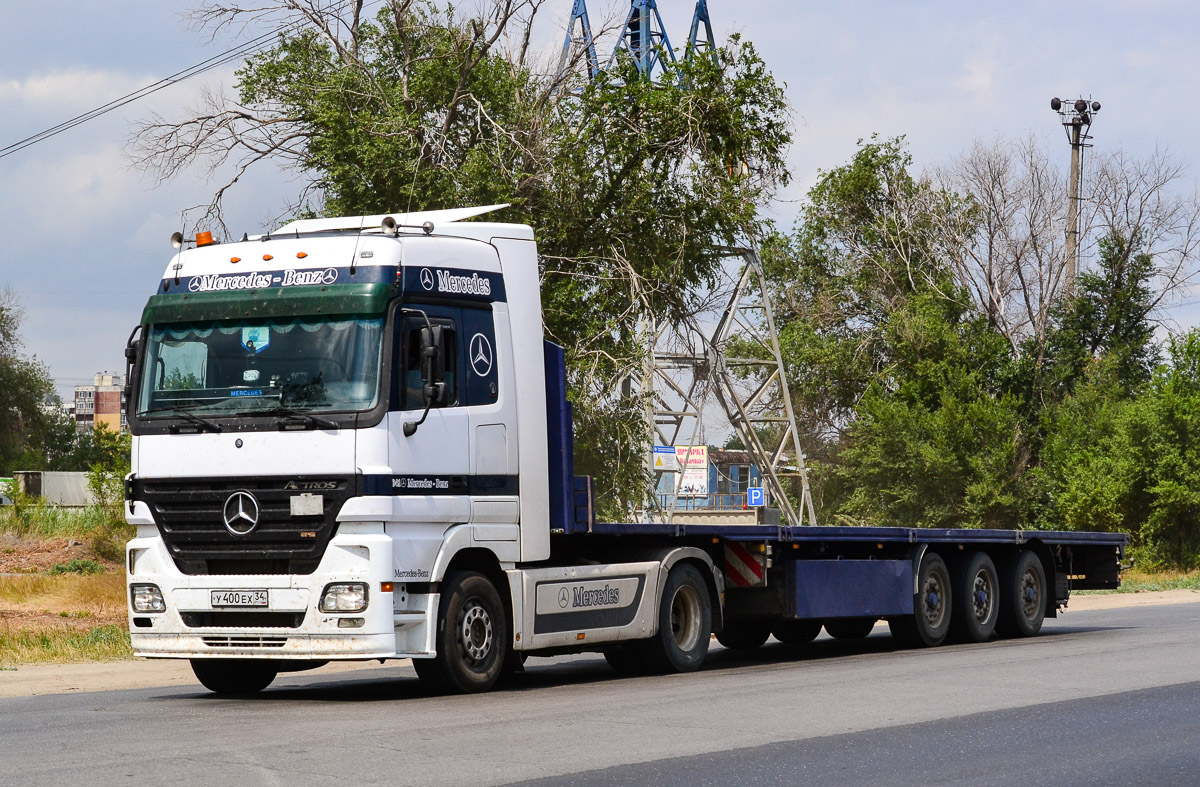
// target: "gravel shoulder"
[[38, 679]]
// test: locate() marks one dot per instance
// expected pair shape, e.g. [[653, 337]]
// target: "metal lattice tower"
[[644, 38], [706, 45], [689, 367], [585, 40]]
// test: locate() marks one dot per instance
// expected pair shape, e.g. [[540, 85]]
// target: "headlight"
[[147, 598], [344, 597]]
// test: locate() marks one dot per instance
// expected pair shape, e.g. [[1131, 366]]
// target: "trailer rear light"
[[147, 598], [344, 597]]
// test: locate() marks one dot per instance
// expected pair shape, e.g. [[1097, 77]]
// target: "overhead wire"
[[249, 47]]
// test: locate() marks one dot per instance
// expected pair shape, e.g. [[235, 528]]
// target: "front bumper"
[[394, 624]]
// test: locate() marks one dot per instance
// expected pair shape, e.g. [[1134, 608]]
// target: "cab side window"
[[409, 383]]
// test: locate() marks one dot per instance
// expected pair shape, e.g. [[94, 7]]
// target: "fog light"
[[344, 597], [147, 598], [350, 623]]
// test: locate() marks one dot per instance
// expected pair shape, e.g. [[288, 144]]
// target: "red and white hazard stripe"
[[743, 568]]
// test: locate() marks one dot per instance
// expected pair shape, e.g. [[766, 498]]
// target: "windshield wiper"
[[289, 417], [203, 423]]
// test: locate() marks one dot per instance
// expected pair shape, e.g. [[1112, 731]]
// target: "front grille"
[[256, 620], [189, 513], [245, 642]]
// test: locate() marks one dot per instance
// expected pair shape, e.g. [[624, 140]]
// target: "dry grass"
[[62, 618], [56, 646]]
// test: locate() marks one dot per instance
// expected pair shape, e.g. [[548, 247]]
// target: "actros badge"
[[240, 513], [481, 355]]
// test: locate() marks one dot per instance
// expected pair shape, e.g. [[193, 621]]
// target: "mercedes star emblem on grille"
[[240, 513]]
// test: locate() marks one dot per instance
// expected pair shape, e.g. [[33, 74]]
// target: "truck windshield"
[[260, 366]]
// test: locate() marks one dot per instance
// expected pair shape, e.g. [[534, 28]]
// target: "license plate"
[[239, 598]]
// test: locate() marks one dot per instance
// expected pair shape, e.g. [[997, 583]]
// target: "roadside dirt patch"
[[1145, 598], [20, 555]]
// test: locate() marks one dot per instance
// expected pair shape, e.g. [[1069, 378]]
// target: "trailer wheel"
[[471, 636], [976, 599], [744, 634], [849, 628], [932, 605], [796, 632], [684, 623], [230, 676], [1023, 597]]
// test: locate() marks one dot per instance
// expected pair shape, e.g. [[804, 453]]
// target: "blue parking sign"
[[754, 496]]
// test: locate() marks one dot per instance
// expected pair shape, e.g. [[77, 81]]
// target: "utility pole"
[[1076, 122]]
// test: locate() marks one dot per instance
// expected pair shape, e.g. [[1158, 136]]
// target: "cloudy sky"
[[84, 239]]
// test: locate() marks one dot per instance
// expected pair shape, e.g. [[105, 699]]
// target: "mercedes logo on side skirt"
[[240, 513]]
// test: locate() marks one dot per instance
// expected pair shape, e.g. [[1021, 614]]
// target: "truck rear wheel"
[[976, 599], [684, 623], [849, 628], [932, 604], [471, 637], [234, 676], [796, 632], [744, 634], [1022, 597]]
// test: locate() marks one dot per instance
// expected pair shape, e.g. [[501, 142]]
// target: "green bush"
[[77, 566]]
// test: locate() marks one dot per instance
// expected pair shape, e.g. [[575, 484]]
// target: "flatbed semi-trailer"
[[351, 442]]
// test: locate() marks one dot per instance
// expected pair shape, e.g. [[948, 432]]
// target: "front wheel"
[[472, 636], [234, 676], [684, 623]]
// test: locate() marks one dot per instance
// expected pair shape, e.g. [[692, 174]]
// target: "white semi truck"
[[351, 442]]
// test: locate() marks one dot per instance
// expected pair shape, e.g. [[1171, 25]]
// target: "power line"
[[229, 55]]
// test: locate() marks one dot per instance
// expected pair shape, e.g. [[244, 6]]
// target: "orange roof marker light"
[[301, 255], [235, 259], [268, 257], [204, 239]]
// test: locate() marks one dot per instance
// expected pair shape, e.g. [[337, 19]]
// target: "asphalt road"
[[1102, 697]]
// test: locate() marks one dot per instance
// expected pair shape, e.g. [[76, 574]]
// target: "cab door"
[[431, 466]]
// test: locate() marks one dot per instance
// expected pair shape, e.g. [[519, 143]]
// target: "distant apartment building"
[[101, 402]]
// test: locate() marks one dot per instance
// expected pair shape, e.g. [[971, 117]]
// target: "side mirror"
[[431, 366]]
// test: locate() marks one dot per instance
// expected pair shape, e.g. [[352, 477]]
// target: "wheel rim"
[[475, 630], [1031, 595], [983, 596], [933, 595], [685, 618]]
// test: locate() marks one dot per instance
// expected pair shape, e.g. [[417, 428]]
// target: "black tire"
[[744, 634], [234, 676], [976, 599], [471, 636], [684, 623], [796, 632], [849, 628], [1022, 597], [626, 659], [933, 605]]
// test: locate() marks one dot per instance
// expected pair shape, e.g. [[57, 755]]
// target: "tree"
[[25, 384], [627, 184], [1005, 237]]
